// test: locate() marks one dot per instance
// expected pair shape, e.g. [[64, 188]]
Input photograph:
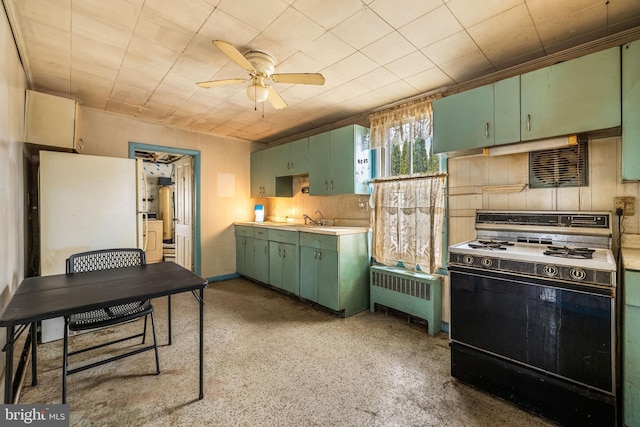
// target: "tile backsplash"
[[501, 183]]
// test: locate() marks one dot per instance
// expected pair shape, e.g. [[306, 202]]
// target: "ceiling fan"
[[261, 67]]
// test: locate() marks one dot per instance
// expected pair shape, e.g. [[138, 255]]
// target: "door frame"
[[133, 146]]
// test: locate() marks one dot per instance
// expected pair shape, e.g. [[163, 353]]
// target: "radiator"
[[411, 292]]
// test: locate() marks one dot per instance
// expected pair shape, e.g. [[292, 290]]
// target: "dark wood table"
[[45, 297]]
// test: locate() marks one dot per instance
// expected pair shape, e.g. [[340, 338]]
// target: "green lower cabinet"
[[334, 271], [283, 266], [328, 280], [261, 261], [631, 349], [241, 255]]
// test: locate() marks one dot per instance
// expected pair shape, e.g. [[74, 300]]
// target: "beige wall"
[[224, 176], [12, 89]]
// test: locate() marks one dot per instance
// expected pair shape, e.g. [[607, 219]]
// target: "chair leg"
[[155, 343], [65, 356], [144, 331]]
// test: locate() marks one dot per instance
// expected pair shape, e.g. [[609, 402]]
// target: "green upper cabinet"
[[263, 176], [480, 117], [292, 158], [631, 111], [575, 96], [340, 162]]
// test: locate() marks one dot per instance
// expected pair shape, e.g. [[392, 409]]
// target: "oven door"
[[551, 326]]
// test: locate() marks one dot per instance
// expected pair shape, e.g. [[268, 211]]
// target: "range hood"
[[525, 147]]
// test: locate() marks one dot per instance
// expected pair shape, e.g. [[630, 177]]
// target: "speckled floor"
[[271, 360]]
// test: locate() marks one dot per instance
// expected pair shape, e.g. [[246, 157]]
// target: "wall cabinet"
[[630, 109], [340, 162], [293, 158], [631, 349], [334, 271], [480, 117], [52, 121], [283, 260], [575, 96], [264, 182], [579, 95]]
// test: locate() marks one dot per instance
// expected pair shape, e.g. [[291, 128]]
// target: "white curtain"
[[407, 220], [406, 122]]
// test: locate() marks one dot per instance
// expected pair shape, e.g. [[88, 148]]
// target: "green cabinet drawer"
[[320, 241], [284, 236], [244, 230], [261, 233]]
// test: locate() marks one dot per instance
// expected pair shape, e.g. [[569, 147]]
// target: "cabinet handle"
[[326, 185], [265, 249], [332, 185], [291, 165], [486, 130], [284, 253], [319, 255], [528, 121], [315, 254]]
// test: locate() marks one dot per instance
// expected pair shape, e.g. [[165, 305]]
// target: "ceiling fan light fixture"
[[257, 93]]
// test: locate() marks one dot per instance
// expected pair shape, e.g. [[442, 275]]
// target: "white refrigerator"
[[85, 203]]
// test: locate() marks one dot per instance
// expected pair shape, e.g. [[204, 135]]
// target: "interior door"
[[184, 211]]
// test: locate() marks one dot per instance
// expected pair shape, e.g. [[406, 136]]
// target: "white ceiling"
[[142, 57]]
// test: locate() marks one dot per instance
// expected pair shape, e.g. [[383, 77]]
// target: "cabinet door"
[[283, 160], [249, 257], [290, 281], [240, 258], [506, 111], [630, 109], [275, 264], [269, 172], [299, 156], [342, 161], [261, 260], [309, 273], [328, 283], [579, 95], [256, 174], [464, 121], [319, 178]]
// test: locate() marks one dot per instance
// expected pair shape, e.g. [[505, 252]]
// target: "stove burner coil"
[[491, 245]]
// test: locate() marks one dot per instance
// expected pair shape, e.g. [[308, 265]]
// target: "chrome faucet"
[[308, 219], [321, 220]]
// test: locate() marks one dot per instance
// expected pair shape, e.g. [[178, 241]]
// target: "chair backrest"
[[104, 259]]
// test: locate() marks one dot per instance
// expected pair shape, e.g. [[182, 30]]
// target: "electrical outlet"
[[627, 204]]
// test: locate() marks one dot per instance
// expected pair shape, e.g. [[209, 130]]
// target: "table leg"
[[34, 358], [169, 316], [8, 368], [201, 396]]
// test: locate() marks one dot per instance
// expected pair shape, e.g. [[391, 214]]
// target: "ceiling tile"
[[362, 29], [354, 66], [431, 27], [455, 46], [328, 49], [410, 65], [258, 14], [400, 12], [292, 25], [508, 37], [328, 13], [190, 18], [429, 80], [470, 12], [467, 67], [388, 48]]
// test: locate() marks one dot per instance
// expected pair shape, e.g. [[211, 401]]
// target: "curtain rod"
[[408, 177]]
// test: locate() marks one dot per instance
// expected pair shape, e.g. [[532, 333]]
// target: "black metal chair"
[[106, 259]]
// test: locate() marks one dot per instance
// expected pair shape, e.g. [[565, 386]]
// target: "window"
[[403, 137]]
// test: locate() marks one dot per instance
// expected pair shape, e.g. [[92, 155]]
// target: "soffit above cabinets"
[[143, 58]]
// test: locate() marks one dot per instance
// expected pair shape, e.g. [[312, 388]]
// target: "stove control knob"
[[577, 274], [487, 262], [550, 270], [468, 259]]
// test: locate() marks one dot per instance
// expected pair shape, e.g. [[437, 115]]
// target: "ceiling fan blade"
[[224, 82], [235, 55], [300, 78], [275, 99]]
